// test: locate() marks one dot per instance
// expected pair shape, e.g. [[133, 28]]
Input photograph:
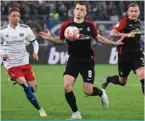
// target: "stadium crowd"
[[104, 10]]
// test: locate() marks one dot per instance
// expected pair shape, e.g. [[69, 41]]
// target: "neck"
[[13, 25], [76, 20]]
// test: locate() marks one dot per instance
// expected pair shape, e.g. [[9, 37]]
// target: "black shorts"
[[132, 63], [86, 69]]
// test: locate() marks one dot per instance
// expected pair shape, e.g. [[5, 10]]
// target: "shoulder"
[[65, 23], [4, 27], [89, 22], [124, 19], [24, 26]]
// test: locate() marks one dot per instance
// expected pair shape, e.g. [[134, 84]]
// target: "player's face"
[[14, 17], [133, 13], [80, 11]]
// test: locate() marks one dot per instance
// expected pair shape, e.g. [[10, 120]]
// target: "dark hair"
[[82, 3], [133, 5], [14, 9]]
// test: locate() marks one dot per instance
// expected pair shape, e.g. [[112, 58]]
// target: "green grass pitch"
[[126, 103]]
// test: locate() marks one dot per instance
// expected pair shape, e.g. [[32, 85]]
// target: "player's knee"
[[67, 88], [140, 74], [123, 81], [34, 88]]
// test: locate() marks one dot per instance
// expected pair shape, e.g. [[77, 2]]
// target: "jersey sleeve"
[[94, 30], [61, 32], [31, 36], [120, 25]]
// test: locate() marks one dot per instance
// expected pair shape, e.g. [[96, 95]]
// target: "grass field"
[[126, 103]]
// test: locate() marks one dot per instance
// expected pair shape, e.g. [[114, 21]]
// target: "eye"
[[82, 9]]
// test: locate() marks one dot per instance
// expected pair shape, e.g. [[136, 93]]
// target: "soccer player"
[[81, 57], [16, 59], [130, 55]]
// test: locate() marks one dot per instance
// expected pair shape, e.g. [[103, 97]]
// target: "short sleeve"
[[31, 36], [94, 30], [120, 25], [61, 32]]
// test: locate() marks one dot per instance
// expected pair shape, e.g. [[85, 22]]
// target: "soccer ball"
[[72, 33]]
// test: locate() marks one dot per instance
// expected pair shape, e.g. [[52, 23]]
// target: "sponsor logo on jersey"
[[88, 29]]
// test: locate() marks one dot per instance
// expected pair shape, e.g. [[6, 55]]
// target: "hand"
[[131, 34], [5, 57], [35, 56], [119, 42], [45, 35]]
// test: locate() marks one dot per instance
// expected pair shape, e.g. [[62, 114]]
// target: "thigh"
[[28, 73], [15, 72], [71, 68], [87, 71], [124, 68], [138, 63]]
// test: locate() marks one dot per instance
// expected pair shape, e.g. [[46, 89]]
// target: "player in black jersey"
[[130, 54], [81, 57]]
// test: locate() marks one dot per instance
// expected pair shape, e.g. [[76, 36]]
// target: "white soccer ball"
[[72, 33]]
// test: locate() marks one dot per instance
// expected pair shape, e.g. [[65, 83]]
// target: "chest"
[[14, 36], [132, 26], [84, 29]]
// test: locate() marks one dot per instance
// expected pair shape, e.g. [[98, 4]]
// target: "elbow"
[[111, 34]]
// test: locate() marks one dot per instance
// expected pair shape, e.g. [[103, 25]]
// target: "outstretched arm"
[[115, 33], [104, 40], [49, 37]]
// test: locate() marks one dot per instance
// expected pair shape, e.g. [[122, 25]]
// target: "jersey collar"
[[11, 27]]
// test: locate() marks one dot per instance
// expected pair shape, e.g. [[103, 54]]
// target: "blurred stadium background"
[[126, 103]]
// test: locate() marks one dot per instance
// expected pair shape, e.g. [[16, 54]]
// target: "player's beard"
[[133, 17]]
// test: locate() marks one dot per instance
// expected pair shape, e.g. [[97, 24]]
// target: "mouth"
[[134, 17]]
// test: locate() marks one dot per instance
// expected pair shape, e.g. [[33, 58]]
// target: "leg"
[[17, 74], [30, 78], [70, 76], [88, 74], [70, 97], [124, 70], [139, 68], [30, 96], [140, 74]]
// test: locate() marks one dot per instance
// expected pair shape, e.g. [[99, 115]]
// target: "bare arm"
[[104, 40], [115, 33], [49, 37]]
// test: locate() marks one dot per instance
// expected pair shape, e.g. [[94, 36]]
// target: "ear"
[[85, 13]]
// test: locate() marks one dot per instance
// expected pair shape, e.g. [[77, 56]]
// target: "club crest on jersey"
[[12, 75], [21, 34], [88, 29]]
